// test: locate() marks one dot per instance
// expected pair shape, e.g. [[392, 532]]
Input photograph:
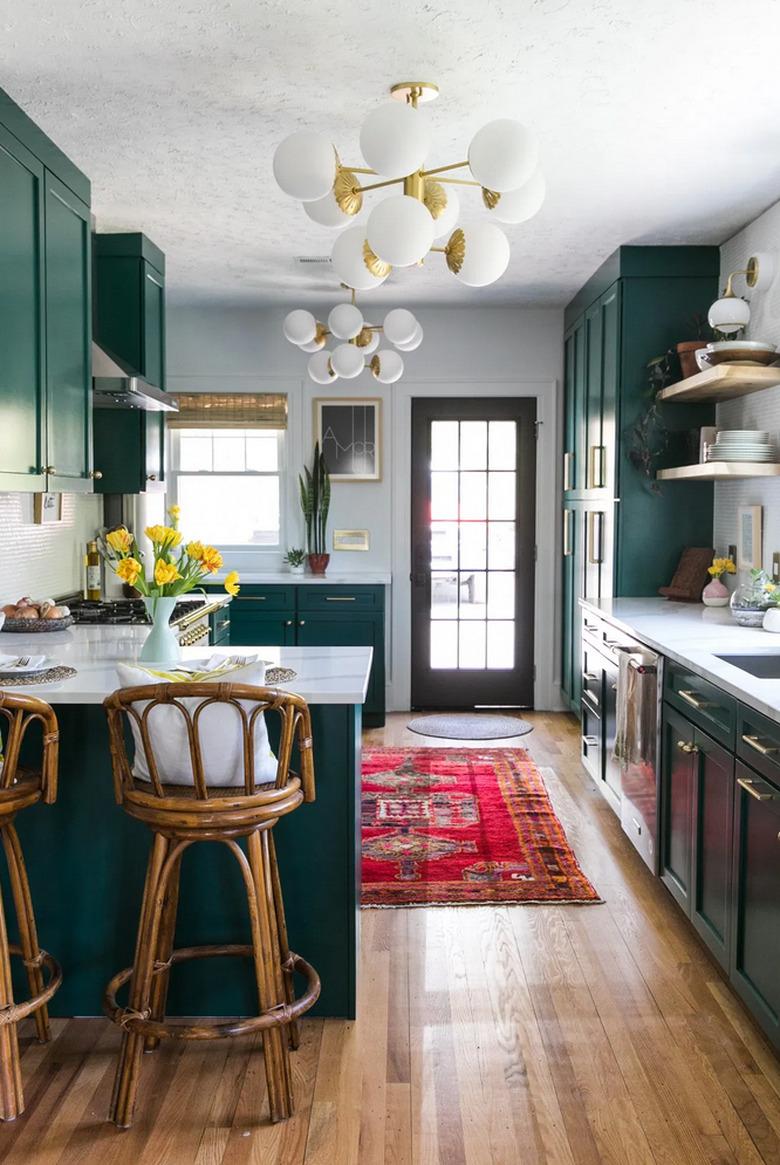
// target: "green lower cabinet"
[[713, 817], [361, 630], [755, 955], [678, 771], [267, 630], [129, 451]]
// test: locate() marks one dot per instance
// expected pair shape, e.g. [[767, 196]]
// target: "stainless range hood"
[[117, 386]]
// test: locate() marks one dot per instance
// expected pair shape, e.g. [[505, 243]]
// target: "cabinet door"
[[594, 332], [610, 325], [713, 802], [570, 610], [573, 430], [154, 451], [755, 952], [678, 773], [361, 630], [68, 341], [129, 451], [248, 629], [153, 317], [21, 317]]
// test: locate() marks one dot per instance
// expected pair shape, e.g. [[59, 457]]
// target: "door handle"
[[568, 472], [691, 699], [750, 787], [764, 749], [686, 746]]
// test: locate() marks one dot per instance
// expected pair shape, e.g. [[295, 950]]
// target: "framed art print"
[[349, 431], [749, 539]]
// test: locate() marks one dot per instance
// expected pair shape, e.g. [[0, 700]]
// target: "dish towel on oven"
[[635, 712]]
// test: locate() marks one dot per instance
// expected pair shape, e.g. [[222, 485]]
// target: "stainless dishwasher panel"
[[639, 763]]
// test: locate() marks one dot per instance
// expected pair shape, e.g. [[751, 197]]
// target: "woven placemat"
[[279, 675], [52, 675]]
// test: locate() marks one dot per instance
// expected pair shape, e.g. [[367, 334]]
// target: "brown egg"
[[9, 610], [53, 613], [27, 613]]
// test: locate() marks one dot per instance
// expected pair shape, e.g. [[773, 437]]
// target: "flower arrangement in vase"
[[177, 570], [716, 593], [314, 488]]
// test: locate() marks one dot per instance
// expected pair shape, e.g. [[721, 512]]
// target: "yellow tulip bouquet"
[[177, 568]]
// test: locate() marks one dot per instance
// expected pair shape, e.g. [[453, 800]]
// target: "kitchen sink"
[[764, 667]]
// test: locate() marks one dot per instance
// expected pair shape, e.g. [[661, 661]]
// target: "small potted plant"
[[295, 560], [716, 593], [314, 486], [687, 349], [752, 599]]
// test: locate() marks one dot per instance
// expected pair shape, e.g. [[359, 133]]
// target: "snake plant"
[[314, 487]]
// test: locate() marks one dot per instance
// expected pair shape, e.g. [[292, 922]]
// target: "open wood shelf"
[[720, 471], [723, 382]]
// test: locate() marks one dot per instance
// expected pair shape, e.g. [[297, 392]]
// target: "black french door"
[[473, 535]]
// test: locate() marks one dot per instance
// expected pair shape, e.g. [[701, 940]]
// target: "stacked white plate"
[[742, 445]]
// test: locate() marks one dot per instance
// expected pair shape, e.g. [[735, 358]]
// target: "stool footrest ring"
[[14, 1012], [137, 1021]]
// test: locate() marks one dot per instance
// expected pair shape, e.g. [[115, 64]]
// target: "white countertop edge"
[[679, 632], [286, 578]]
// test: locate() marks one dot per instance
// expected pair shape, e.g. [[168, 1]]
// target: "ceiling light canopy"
[[357, 341], [400, 230]]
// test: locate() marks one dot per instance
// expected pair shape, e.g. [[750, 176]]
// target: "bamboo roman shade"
[[229, 410]]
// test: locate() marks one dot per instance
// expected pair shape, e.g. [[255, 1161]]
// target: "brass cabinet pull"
[[340, 599], [764, 749], [590, 676], [568, 471], [595, 544], [750, 787], [686, 746], [591, 741], [597, 456], [567, 545], [691, 699], [250, 598], [222, 626]]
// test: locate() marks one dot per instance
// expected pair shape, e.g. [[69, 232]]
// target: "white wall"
[[762, 409], [466, 352], [44, 561]]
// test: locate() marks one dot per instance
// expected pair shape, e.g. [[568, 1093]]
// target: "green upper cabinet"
[[129, 322], [45, 312], [130, 302]]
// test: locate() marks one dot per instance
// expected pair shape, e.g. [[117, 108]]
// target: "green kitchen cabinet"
[[363, 630], [130, 302], [677, 779], [635, 307], [129, 450], [45, 312]]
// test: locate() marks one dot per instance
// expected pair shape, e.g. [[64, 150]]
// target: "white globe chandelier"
[[401, 230], [355, 341]]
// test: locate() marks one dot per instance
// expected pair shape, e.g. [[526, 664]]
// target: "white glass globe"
[[729, 314], [399, 326], [400, 230], [503, 155], [319, 368], [414, 343], [447, 221], [326, 212], [345, 321], [347, 361], [299, 327], [315, 345], [486, 257], [516, 206], [349, 262], [305, 165], [389, 366], [395, 140]]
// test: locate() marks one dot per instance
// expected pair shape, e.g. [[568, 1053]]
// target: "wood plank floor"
[[496, 1036]]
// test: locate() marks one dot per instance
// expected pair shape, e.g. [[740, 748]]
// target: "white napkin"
[[34, 662]]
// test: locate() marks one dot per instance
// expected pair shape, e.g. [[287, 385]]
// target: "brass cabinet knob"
[[151, 477], [48, 469], [288, 623], [302, 623], [96, 473]]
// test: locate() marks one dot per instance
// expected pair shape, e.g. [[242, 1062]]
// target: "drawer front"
[[703, 703], [592, 676], [220, 620], [758, 742], [257, 598], [591, 741], [340, 599]]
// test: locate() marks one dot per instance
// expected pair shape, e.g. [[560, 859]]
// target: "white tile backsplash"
[[44, 561]]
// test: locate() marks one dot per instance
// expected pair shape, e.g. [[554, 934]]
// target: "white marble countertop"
[[352, 578], [326, 675], [695, 635]]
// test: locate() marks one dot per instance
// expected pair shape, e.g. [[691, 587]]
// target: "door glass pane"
[[444, 645], [473, 500], [471, 645], [500, 644], [444, 495], [473, 546], [501, 595], [444, 445], [501, 545], [444, 546], [502, 496], [473, 586], [473, 444], [444, 594], [502, 443]]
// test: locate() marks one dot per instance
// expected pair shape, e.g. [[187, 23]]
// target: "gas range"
[[110, 612]]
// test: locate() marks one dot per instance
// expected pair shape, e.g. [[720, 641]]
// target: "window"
[[228, 484]]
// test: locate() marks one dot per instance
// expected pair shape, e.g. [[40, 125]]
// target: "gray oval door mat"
[[470, 726]]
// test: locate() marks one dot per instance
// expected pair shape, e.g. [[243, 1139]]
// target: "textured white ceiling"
[[659, 122]]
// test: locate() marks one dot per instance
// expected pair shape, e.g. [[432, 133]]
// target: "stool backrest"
[[136, 705], [17, 714]]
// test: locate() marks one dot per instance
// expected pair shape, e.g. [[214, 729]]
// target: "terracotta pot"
[[318, 563], [686, 351]]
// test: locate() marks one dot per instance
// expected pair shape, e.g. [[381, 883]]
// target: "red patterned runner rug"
[[451, 826]]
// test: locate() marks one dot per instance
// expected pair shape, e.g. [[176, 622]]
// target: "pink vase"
[[715, 594]]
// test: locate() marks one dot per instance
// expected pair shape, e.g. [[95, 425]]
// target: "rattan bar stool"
[[181, 815], [20, 788]]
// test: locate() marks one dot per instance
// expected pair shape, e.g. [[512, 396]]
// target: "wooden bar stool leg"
[[294, 1029], [129, 1065], [28, 934], [11, 1095], [162, 970], [270, 988]]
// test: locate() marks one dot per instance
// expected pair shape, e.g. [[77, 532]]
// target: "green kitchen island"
[[86, 859]]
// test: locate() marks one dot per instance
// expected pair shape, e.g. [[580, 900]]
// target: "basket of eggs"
[[32, 615]]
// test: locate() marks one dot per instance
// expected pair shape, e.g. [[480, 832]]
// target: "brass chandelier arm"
[[443, 169], [378, 185], [358, 169], [459, 182]]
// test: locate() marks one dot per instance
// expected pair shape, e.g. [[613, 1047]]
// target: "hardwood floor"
[[487, 1036]]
